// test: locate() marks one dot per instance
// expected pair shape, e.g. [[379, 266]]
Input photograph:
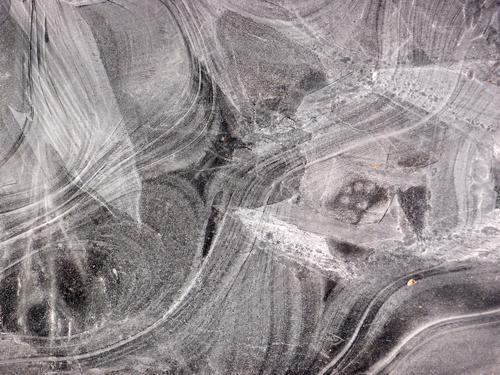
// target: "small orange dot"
[[411, 282]]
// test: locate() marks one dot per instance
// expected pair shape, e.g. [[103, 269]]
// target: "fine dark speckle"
[[413, 201]]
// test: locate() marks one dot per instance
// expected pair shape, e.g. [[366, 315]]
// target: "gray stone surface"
[[249, 187]]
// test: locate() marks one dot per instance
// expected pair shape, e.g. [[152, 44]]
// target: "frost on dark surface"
[[249, 187]]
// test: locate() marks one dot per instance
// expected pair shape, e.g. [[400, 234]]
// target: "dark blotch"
[[37, 319], [350, 249], [379, 196], [415, 160], [46, 32], [313, 81], [71, 286], [96, 261], [362, 195], [329, 287], [497, 199], [419, 57], [496, 173], [8, 302], [414, 204], [211, 228], [222, 150]]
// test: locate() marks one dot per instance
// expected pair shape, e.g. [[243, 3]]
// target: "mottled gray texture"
[[249, 187]]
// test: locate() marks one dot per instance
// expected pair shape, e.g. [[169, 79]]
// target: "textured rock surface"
[[247, 187]]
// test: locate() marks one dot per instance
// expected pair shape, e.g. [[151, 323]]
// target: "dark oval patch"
[[8, 302], [96, 261], [71, 285], [37, 319]]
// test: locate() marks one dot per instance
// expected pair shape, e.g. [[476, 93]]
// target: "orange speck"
[[411, 282]]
